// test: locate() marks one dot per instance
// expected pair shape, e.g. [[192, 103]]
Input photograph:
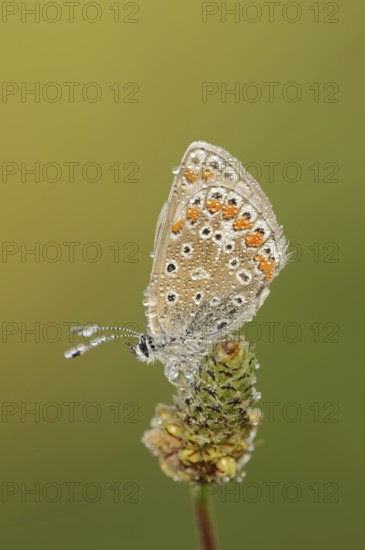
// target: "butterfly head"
[[145, 349]]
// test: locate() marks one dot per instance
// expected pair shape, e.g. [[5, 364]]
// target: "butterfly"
[[217, 248]]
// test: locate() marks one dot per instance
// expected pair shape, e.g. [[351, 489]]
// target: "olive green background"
[[169, 53]]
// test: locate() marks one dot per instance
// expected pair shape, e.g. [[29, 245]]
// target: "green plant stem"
[[203, 519]]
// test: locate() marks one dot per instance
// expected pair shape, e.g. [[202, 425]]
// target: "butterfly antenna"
[[89, 331]]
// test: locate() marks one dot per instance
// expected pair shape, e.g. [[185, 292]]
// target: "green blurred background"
[[312, 445]]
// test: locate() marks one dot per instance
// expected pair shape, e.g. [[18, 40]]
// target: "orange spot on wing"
[[213, 205], [229, 211], [265, 265], [242, 223], [177, 227], [254, 239], [193, 214], [191, 176]]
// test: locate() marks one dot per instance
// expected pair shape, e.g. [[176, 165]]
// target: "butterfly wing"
[[217, 248]]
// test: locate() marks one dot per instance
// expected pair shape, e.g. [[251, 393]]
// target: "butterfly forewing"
[[217, 247]]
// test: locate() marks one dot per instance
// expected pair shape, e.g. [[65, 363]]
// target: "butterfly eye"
[[143, 346], [150, 342]]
